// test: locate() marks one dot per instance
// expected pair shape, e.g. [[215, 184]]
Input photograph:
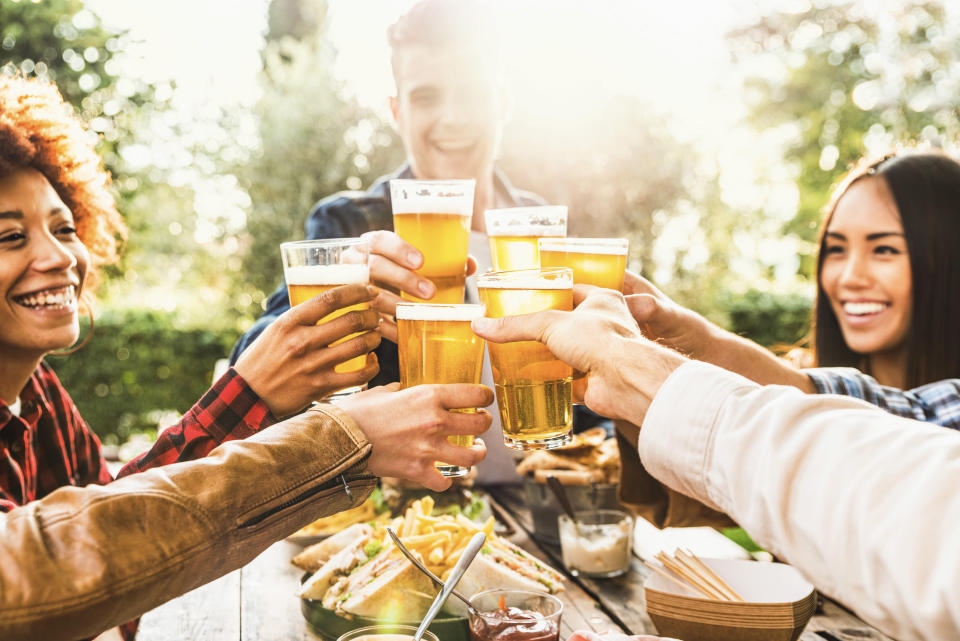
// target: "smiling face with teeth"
[[865, 272], [42, 269], [449, 111]]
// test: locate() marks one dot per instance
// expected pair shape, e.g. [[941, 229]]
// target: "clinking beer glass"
[[534, 388], [312, 267], [434, 216], [595, 261], [437, 345], [514, 232]]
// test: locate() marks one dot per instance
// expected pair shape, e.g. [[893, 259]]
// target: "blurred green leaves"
[[313, 140], [849, 82], [139, 367]]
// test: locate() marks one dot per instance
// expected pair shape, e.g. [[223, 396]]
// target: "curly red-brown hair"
[[38, 130]]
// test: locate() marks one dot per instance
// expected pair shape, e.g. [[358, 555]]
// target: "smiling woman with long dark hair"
[[888, 300]]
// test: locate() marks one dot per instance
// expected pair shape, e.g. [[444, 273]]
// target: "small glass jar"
[[386, 632], [525, 616], [599, 544]]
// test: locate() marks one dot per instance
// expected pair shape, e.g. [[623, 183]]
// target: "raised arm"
[[693, 335]]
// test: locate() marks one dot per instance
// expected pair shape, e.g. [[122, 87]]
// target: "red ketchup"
[[513, 624]]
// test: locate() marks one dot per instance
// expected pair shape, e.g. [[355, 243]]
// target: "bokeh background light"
[[709, 132]]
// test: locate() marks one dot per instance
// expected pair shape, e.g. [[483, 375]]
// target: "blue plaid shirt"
[[937, 402]]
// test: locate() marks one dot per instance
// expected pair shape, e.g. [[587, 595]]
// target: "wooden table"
[[259, 602]]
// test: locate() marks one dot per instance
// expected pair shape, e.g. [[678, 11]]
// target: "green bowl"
[[331, 625]]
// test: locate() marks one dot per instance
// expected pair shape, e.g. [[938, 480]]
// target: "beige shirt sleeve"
[[864, 503]]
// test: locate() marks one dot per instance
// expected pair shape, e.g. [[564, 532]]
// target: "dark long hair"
[[926, 190]]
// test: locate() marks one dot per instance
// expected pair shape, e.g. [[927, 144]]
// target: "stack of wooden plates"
[[777, 604]]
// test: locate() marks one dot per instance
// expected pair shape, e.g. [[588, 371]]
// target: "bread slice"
[[388, 587], [313, 557]]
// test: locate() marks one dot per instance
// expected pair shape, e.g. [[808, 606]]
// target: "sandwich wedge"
[[314, 557], [341, 563], [501, 564], [387, 587]]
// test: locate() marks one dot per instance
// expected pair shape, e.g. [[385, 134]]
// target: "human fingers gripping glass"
[[434, 216], [534, 387], [437, 345], [312, 267]]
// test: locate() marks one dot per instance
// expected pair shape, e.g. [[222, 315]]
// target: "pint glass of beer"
[[437, 345], [311, 267], [514, 232], [534, 387], [434, 216], [595, 261]]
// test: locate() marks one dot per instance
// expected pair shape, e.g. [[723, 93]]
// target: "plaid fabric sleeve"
[[91, 466], [230, 410], [937, 402]]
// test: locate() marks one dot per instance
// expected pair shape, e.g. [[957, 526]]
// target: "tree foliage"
[[614, 175], [138, 369], [314, 140], [849, 80]]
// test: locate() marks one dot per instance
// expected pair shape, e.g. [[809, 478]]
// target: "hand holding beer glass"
[[437, 345], [434, 216], [312, 267], [514, 232], [601, 262], [533, 387]]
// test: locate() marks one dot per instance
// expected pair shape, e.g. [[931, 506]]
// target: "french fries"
[[342, 520], [437, 541]]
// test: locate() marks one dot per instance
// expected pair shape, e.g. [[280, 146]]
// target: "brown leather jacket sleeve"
[[651, 499], [84, 559]]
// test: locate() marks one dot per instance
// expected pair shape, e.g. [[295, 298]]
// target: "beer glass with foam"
[[311, 267], [513, 234], [595, 261], [437, 345], [434, 216], [533, 387]]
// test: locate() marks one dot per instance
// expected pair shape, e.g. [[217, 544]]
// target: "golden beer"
[[514, 232], [434, 216], [595, 261], [303, 283], [533, 387], [437, 345], [311, 267], [443, 239]]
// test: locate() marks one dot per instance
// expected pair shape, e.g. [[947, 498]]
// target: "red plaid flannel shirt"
[[49, 445]]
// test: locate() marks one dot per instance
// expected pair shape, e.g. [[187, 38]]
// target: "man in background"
[[449, 109]]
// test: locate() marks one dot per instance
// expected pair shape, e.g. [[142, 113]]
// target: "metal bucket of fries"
[[588, 467]]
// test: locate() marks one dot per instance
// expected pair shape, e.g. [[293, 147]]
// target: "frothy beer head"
[[429, 312], [327, 275], [432, 196], [612, 246], [545, 221]]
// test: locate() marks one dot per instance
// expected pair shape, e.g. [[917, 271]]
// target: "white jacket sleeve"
[[865, 504]]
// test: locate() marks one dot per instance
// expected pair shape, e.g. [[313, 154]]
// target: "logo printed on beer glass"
[[514, 231], [437, 346], [534, 388], [434, 216]]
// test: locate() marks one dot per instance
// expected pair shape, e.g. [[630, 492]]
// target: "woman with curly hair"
[[58, 225]]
